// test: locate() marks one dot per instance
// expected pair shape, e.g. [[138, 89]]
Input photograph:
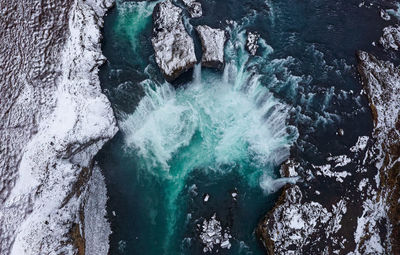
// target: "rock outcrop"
[[294, 223], [173, 46], [213, 236], [381, 80], [213, 42], [194, 8], [252, 43], [53, 120], [310, 221], [391, 37]]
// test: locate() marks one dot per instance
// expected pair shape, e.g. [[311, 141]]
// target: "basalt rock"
[[173, 47]]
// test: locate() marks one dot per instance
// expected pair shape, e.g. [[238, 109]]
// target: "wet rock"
[[213, 235], [212, 41], [391, 37], [252, 42], [173, 47], [194, 8], [385, 15]]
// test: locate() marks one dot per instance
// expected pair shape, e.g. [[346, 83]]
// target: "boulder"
[[194, 8], [212, 41], [173, 47], [251, 42], [390, 38]]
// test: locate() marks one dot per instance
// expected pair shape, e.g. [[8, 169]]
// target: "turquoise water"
[[218, 132]]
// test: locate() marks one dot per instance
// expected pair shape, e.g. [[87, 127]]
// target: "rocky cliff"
[[54, 119], [381, 80]]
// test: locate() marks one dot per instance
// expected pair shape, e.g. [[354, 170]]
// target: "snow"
[[173, 47], [97, 229], [294, 224], [362, 184], [381, 80], [390, 38], [340, 161], [361, 144], [212, 41], [213, 235], [194, 8], [368, 223], [326, 171], [252, 42], [44, 202]]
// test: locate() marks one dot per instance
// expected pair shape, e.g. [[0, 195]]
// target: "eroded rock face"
[[194, 8], [391, 37], [173, 47], [54, 119], [252, 42], [213, 42]]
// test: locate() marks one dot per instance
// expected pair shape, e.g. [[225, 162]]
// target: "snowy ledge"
[[45, 211]]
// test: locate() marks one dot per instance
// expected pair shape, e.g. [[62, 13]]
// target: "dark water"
[[227, 131]]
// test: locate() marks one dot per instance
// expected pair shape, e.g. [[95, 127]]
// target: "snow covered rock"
[[212, 41], [212, 235], [294, 223], [252, 42], [291, 225], [173, 47], [361, 144], [54, 119], [194, 8], [385, 15], [391, 37], [381, 80]]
